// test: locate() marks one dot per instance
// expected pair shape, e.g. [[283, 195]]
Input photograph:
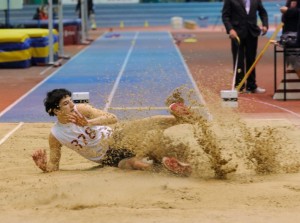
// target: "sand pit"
[[249, 174], [81, 192]]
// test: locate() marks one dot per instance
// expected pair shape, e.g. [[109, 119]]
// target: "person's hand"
[[77, 119], [283, 9], [40, 158], [264, 30], [232, 34]]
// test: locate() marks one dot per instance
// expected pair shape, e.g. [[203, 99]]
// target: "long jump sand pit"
[[233, 181]]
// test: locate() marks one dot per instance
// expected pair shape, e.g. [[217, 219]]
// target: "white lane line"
[[116, 84], [46, 70], [11, 132], [188, 73], [198, 93], [275, 106]]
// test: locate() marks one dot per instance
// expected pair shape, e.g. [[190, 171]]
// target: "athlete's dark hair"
[[53, 98]]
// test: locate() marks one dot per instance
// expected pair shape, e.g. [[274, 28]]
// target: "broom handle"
[[236, 63], [259, 57]]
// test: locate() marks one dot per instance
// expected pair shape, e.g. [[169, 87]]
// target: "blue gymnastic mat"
[[131, 70]]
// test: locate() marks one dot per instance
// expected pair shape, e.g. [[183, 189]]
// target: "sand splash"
[[220, 147]]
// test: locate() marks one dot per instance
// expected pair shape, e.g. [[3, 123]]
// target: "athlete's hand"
[[78, 119], [40, 158]]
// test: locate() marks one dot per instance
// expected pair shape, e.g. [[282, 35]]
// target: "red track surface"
[[209, 61]]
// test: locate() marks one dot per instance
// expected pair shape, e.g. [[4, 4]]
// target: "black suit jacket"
[[235, 17], [290, 19]]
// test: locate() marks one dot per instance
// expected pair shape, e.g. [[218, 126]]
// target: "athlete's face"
[[66, 105]]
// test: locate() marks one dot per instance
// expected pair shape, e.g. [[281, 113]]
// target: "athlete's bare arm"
[[88, 116], [40, 156]]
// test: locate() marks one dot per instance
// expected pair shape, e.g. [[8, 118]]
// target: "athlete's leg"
[[135, 163]]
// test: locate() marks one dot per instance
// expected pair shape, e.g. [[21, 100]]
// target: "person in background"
[[291, 20], [36, 15], [290, 16], [240, 20], [41, 13], [91, 12]]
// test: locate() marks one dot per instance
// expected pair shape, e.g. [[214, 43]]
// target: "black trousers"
[[247, 54]]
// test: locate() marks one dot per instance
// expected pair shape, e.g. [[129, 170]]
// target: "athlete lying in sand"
[[85, 130]]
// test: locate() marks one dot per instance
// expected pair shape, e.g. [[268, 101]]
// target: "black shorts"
[[114, 156]]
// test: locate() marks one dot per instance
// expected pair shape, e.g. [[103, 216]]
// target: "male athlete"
[[85, 130]]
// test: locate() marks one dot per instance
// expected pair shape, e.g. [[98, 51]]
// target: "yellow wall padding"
[[12, 56], [33, 33], [19, 36], [12, 37]]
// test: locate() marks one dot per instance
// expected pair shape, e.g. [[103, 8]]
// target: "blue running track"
[[129, 73]]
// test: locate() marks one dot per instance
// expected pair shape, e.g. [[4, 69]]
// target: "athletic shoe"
[[179, 109], [258, 90], [176, 167]]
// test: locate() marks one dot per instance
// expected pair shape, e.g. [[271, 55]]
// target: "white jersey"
[[88, 141]]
